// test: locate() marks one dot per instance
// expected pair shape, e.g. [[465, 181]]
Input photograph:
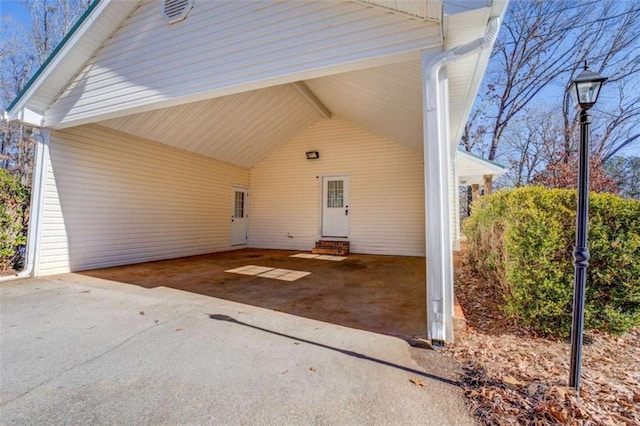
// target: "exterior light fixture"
[[584, 90], [312, 155]]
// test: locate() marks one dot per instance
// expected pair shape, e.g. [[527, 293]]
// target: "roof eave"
[[60, 58], [494, 168], [497, 9], [49, 64]]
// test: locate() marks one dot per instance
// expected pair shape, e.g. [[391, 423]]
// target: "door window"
[[335, 194], [238, 210]]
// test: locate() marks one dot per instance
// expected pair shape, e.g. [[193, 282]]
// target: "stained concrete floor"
[[382, 294]]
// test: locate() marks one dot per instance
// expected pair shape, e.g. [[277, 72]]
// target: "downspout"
[[437, 160], [36, 207]]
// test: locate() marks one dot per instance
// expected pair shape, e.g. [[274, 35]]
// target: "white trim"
[[26, 116]]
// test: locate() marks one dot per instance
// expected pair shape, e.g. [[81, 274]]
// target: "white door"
[[239, 216], [335, 206]]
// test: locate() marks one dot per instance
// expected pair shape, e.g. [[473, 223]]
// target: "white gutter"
[[36, 209], [438, 185]]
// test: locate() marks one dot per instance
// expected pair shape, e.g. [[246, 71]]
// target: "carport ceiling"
[[244, 128]]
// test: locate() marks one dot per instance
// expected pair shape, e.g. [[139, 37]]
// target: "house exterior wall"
[[226, 47], [112, 199], [386, 205]]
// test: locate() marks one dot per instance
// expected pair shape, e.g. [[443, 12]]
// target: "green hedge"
[[14, 199], [521, 241]]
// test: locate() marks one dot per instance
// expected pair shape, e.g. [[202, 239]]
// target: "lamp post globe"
[[585, 88]]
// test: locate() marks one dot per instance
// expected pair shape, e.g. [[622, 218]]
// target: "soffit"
[[240, 129], [430, 10], [244, 128], [386, 100]]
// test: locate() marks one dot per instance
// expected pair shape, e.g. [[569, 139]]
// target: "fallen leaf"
[[473, 394], [562, 391], [511, 381], [417, 382], [623, 419], [487, 393], [179, 329], [313, 369], [636, 397], [624, 401], [559, 415]]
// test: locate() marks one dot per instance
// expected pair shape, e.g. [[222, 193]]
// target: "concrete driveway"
[[76, 349]]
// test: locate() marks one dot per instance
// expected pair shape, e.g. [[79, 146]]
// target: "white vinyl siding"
[[226, 47], [386, 206], [113, 199]]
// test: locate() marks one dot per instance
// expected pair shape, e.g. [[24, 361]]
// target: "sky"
[[16, 10]]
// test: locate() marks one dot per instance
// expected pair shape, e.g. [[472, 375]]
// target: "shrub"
[[521, 241], [13, 207]]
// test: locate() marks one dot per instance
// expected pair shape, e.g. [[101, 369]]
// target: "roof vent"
[[176, 10]]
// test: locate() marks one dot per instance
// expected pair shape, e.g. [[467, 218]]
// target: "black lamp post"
[[584, 91]]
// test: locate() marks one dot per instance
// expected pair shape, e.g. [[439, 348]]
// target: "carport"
[[382, 294], [267, 125]]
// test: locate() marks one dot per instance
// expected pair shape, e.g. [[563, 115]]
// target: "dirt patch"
[[511, 376]]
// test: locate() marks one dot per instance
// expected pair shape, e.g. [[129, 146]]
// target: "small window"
[[176, 10], [238, 206], [335, 193]]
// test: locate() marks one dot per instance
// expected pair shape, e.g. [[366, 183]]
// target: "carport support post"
[[36, 216], [439, 171], [437, 185]]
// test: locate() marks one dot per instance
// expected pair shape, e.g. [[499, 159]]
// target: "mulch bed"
[[512, 376]]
